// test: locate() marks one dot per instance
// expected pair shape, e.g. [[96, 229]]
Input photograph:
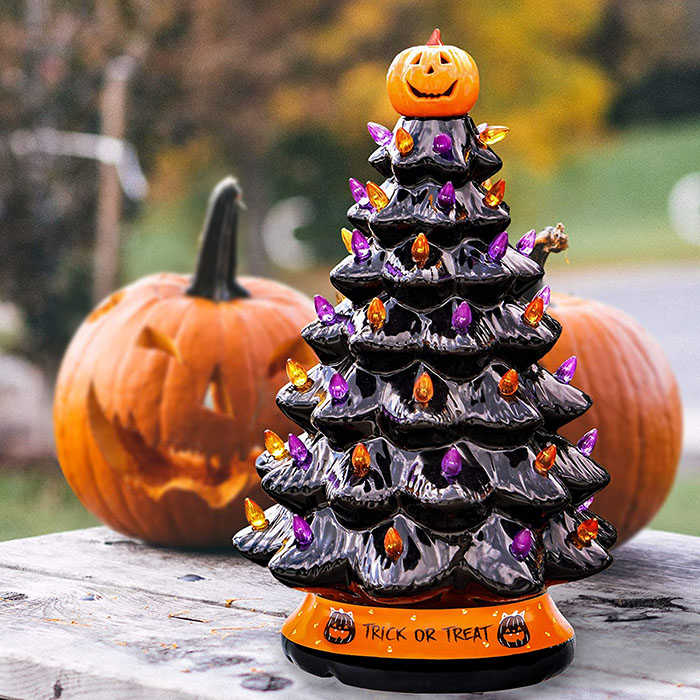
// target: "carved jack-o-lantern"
[[433, 80], [165, 391], [340, 628], [512, 630]]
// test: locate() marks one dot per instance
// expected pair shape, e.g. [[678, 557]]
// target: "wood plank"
[[92, 614]]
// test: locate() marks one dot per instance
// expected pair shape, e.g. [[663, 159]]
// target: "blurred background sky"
[[602, 97]]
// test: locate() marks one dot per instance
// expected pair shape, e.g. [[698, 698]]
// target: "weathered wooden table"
[[93, 614]]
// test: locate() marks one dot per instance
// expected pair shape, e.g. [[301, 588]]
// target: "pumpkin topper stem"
[[215, 277], [435, 39]]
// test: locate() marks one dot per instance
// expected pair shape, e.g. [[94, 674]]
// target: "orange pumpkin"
[[636, 403], [166, 388], [433, 80]]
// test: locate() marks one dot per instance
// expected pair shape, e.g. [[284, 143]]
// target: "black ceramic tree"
[[430, 501]]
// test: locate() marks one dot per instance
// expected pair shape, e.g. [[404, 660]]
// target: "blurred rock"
[[25, 411]]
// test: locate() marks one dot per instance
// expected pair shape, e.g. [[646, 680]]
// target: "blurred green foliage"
[[37, 500]]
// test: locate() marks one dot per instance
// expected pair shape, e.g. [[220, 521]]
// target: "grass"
[[37, 500], [680, 513], [613, 198]]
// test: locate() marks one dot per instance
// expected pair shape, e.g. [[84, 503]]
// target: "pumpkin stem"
[[435, 39], [215, 277], [551, 240]]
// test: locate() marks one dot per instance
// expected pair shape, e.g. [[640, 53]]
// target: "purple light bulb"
[[338, 387], [359, 245], [442, 144], [451, 464], [527, 243], [545, 294], [359, 193], [521, 545], [498, 246], [588, 441], [585, 505], [297, 449], [462, 318], [565, 371], [380, 134], [324, 310], [302, 531], [446, 196]]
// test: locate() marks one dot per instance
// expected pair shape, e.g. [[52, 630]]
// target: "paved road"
[[666, 301]]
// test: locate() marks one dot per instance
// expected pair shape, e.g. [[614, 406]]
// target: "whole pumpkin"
[[166, 388], [636, 403], [433, 80]]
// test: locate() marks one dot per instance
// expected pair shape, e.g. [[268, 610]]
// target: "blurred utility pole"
[[109, 204]]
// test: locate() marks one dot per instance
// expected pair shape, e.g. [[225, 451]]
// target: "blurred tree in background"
[[277, 93]]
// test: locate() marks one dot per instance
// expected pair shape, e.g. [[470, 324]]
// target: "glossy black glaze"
[[468, 160], [456, 532], [434, 676]]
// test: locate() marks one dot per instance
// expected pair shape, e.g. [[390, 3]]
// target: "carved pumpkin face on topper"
[[433, 80]]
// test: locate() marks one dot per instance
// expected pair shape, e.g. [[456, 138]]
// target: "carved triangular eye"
[[444, 59], [153, 339], [216, 398], [417, 59]]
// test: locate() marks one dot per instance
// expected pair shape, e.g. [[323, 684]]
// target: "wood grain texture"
[[92, 614]]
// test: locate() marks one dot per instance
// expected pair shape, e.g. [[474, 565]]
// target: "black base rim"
[[434, 675]]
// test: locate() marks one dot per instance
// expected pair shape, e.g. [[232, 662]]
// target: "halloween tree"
[[429, 501]]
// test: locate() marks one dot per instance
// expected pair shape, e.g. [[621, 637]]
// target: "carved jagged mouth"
[[431, 96]]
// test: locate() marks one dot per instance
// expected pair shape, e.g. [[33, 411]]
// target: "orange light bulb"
[[360, 460], [545, 459], [587, 530], [420, 250], [423, 388], [377, 196], [493, 134], [376, 313], [534, 311], [297, 375], [275, 445], [508, 383], [404, 141], [495, 194], [254, 515], [393, 544], [346, 235]]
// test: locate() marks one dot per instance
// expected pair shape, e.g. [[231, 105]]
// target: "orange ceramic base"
[[470, 649]]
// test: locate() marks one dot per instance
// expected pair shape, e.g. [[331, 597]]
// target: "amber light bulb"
[[423, 388], [254, 515], [360, 460], [346, 235], [297, 375], [420, 250], [377, 196], [493, 134], [393, 544], [534, 311], [545, 459], [495, 194], [404, 141], [376, 313], [274, 444], [508, 383], [587, 530]]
